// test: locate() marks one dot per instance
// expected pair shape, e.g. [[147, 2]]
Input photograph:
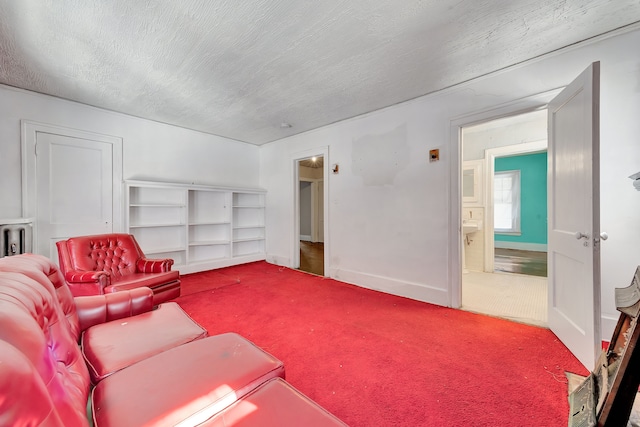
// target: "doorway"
[[504, 214], [311, 215]]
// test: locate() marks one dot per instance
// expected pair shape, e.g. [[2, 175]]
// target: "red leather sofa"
[[149, 366], [104, 263]]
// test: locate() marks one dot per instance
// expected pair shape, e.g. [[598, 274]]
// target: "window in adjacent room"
[[506, 201]]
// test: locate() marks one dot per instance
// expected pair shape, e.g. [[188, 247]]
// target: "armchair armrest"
[[83, 276], [83, 282], [96, 309], [145, 265]]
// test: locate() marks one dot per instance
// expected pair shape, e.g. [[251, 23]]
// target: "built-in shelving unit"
[[248, 223], [199, 227]]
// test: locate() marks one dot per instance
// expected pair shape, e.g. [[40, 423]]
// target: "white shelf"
[[210, 243], [157, 205], [163, 251], [200, 227], [155, 225]]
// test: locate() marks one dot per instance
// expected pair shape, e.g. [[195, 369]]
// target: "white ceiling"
[[241, 68]]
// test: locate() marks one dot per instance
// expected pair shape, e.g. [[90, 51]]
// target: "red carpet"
[[374, 359]]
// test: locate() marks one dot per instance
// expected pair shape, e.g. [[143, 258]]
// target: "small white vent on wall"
[[15, 237]]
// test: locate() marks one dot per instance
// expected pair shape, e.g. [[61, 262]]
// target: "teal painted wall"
[[533, 197]]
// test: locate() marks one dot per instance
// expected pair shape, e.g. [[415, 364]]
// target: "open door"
[[574, 216]]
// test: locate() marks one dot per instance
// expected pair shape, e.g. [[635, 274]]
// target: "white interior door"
[[574, 216], [74, 189]]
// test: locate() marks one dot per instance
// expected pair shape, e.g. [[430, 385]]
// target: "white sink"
[[471, 226]]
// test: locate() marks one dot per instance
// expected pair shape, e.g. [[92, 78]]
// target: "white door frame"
[[295, 241], [489, 167], [315, 209], [29, 131], [521, 106]]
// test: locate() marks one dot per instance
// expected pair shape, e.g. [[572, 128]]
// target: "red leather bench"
[[274, 404], [189, 381]]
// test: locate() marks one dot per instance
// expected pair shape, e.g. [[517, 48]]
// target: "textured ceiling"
[[241, 68]]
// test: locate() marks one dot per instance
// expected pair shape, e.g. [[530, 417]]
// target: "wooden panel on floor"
[[312, 257], [521, 262]]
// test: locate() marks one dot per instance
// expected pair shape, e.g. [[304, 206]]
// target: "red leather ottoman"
[[275, 403], [201, 377], [109, 347]]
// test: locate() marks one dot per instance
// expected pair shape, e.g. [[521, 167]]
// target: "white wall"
[[521, 129], [390, 212], [151, 150]]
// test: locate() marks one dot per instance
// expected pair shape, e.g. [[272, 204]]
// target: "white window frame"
[[515, 193]]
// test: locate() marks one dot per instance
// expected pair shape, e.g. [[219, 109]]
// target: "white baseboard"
[[416, 291], [305, 237], [218, 263], [535, 247], [278, 260]]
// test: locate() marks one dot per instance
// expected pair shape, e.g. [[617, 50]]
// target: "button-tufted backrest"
[[33, 322], [116, 253], [34, 266]]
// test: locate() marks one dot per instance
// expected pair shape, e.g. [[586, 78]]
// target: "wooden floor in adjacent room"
[[312, 257], [521, 262]]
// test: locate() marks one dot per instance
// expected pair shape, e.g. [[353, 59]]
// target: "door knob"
[[604, 235], [579, 235]]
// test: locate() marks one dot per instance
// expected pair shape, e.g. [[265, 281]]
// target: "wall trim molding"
[[417, 291], [278, 260]]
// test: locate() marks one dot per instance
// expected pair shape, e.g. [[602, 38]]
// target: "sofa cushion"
[[275, 403], [33, 323], [201, 377], [111, 346], [24, 399]]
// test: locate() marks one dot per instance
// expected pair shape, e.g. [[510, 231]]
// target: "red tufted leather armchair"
[[105, 263]]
